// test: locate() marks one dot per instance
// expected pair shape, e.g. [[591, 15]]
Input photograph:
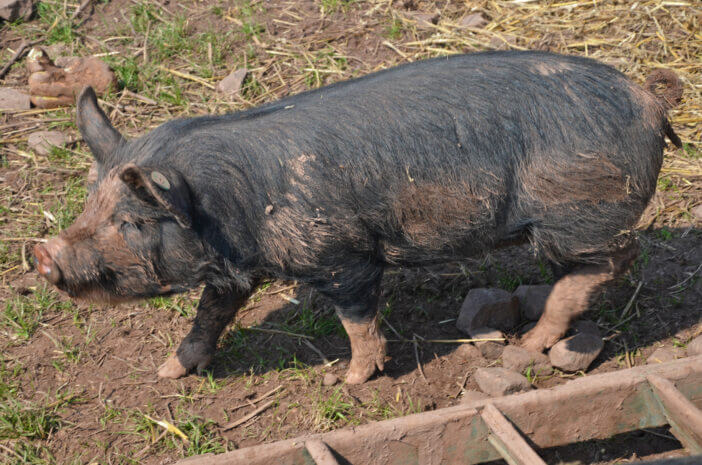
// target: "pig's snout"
[[45, 260]]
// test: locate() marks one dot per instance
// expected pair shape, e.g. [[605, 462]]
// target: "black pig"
[[427, 162]]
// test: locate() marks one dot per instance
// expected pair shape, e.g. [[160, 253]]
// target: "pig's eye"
[[129, 228]]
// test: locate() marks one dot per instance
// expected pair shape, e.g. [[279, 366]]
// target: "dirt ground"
[[78, 383]]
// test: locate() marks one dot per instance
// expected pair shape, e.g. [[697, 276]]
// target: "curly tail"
[[669, 97]]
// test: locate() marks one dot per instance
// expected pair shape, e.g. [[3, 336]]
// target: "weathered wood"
[[684, 417], [593, 407], [507, 440], [320, 453]]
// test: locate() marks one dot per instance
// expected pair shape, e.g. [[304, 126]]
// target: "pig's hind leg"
[[571, 295], [359, 315], [214, 312]]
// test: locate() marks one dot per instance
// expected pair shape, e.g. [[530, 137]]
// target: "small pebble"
[[488, 307], [471, 396], [500, 381], [577, 352], [661, 355], [330, 379], [489, 349], [519, 359], [532, 299], [232, 83], [695, 347], [13, 99], [42, 141], [586, 326]]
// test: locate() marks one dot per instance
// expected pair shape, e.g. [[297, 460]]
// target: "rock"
[[66, 62], [330, 379], [500, 381], [42, 141], [468, 352], [576, 352], [484, 307], [489, 349], [695, 347], [661, 355], [232, 83], [423, 20], [471, 396], [532, 299], [51, 86], [12, 10], [586, 326], [697, 212], [475, 20], [519, 359], [13, 99]]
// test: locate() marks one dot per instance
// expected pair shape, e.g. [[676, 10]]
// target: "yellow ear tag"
[[160, 180]]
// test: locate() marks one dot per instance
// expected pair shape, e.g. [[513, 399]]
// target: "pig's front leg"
[[367, 342], [214, 312]]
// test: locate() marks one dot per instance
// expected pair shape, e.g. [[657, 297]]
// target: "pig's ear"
[[164, 187], [96, 129]]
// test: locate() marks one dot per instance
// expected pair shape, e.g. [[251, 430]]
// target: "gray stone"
[[500, 381], [519, 359], [475, 20], [489, 349], [42, 141], [468, 352], [586, 326], [12, 10], [66, 62], [695, 347], [471, 396], [232, 83], [494, 308], [532, 299], [697, 212], [13, 99], [661, 355], [577, 352], [330, 379]]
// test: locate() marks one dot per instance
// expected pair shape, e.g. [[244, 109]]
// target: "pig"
[[423, 163]]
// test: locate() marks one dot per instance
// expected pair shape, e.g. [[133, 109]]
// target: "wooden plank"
[[507, 440], [684, 417], [320, 452], [592, 407]]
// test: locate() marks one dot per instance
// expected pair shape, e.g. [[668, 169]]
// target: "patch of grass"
[[664, 234], [665, 184], [316, 324], [60, 27], [332, 6], [32, 420], [23, 313], [201, 433], [691, 151], [507, 280], [72, 200], [27, 453], [181, 304], [332, 410], [395, 30]]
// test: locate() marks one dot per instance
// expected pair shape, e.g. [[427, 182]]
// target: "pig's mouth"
[[103, 293]]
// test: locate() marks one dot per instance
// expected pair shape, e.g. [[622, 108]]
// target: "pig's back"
[[453, 155]]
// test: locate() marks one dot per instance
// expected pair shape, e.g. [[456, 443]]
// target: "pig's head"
[[134, 238]]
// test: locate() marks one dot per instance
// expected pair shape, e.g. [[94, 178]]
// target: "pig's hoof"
[[537, 341], [364, 367], [172, 368]]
